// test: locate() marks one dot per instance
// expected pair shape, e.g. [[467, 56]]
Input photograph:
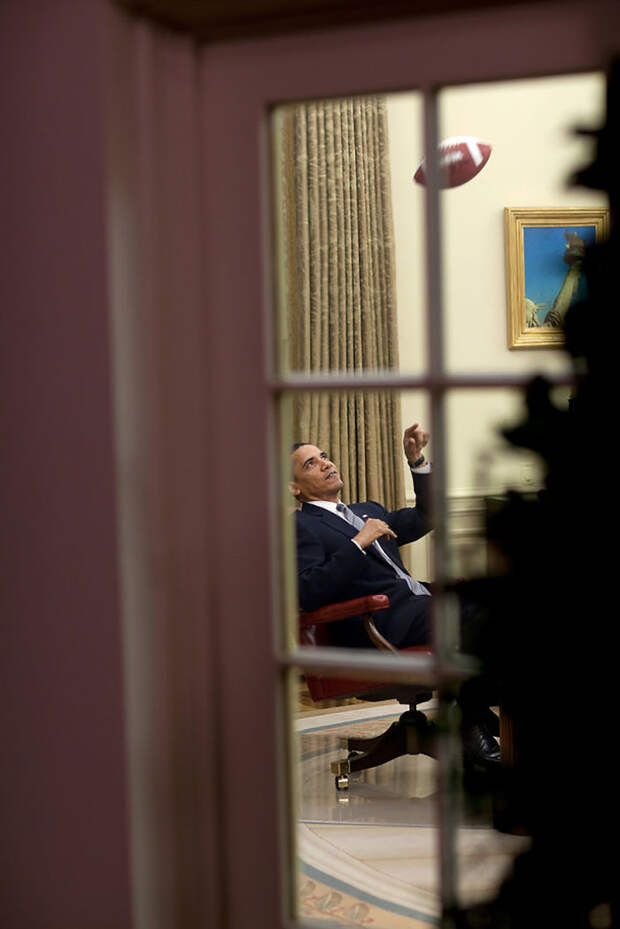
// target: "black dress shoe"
[[479, 747]]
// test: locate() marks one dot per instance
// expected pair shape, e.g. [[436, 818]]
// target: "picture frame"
[[544, 257]]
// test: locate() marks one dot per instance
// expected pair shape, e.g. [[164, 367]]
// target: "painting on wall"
[[545, 248]]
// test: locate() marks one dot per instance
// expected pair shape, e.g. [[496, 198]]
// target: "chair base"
[[412, 734]]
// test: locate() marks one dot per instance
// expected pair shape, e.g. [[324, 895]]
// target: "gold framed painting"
[[545, 248]]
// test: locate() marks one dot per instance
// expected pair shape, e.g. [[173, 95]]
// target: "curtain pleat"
[[338, 231]]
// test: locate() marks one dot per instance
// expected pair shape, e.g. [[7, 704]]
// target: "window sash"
[[241, 81]]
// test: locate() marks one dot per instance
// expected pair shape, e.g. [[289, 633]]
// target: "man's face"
[[315, 477]]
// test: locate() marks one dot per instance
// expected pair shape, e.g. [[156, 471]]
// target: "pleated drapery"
[[340, 292]]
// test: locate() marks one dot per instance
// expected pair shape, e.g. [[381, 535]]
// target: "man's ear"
[[294, 489]]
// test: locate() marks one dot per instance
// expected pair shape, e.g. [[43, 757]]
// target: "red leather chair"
[[412, 734]]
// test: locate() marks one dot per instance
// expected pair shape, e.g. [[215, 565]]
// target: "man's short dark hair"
[[294, 448]]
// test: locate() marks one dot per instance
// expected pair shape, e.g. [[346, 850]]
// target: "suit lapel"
[[336, 522], [341, 525]]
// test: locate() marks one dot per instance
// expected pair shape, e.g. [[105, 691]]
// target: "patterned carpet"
[[320, 900], [370, 857]]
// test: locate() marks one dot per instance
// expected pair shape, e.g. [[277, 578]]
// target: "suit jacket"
[[331, 568]]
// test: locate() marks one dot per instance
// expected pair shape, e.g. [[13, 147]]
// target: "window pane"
[[350, 223], [485, 854], [360, 434], [367, 842], [482, 466], [348, 448], [534, 151], [367, 848]]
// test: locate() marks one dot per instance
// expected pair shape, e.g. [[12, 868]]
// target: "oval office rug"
[[369, 856]]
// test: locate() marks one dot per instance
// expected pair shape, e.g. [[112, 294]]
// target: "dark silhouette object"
[[553, 636]]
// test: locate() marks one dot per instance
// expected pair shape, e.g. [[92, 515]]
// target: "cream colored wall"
[[529, 126]]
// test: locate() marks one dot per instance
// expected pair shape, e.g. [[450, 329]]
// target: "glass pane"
[[350, 223], [485, 850], [526, 131], [361, 435], [482, 466], [367, 845], [367, 842], [348, 449]]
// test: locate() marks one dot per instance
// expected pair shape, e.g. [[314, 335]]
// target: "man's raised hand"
[[414, 440]]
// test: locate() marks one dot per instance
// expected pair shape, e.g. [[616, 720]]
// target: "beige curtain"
[[339, 285]]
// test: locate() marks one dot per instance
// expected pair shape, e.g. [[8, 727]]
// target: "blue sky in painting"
[[545, 269]]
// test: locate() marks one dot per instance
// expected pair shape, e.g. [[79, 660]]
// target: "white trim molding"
[[467, 543]]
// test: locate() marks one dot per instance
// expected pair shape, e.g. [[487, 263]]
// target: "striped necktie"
[[358, 523]]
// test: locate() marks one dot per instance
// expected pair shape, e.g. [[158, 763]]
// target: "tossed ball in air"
[[460, 159]]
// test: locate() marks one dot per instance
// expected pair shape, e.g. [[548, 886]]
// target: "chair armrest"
[[343, 610]]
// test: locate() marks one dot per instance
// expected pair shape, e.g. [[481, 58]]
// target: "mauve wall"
[[63, 782]]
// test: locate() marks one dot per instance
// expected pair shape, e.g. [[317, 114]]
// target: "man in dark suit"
[[347, 552], [336, 561]]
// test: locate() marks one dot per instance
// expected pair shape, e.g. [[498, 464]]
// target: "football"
[[460, 159]]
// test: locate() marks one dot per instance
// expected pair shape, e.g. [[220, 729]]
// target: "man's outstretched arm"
[[411, 523]]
